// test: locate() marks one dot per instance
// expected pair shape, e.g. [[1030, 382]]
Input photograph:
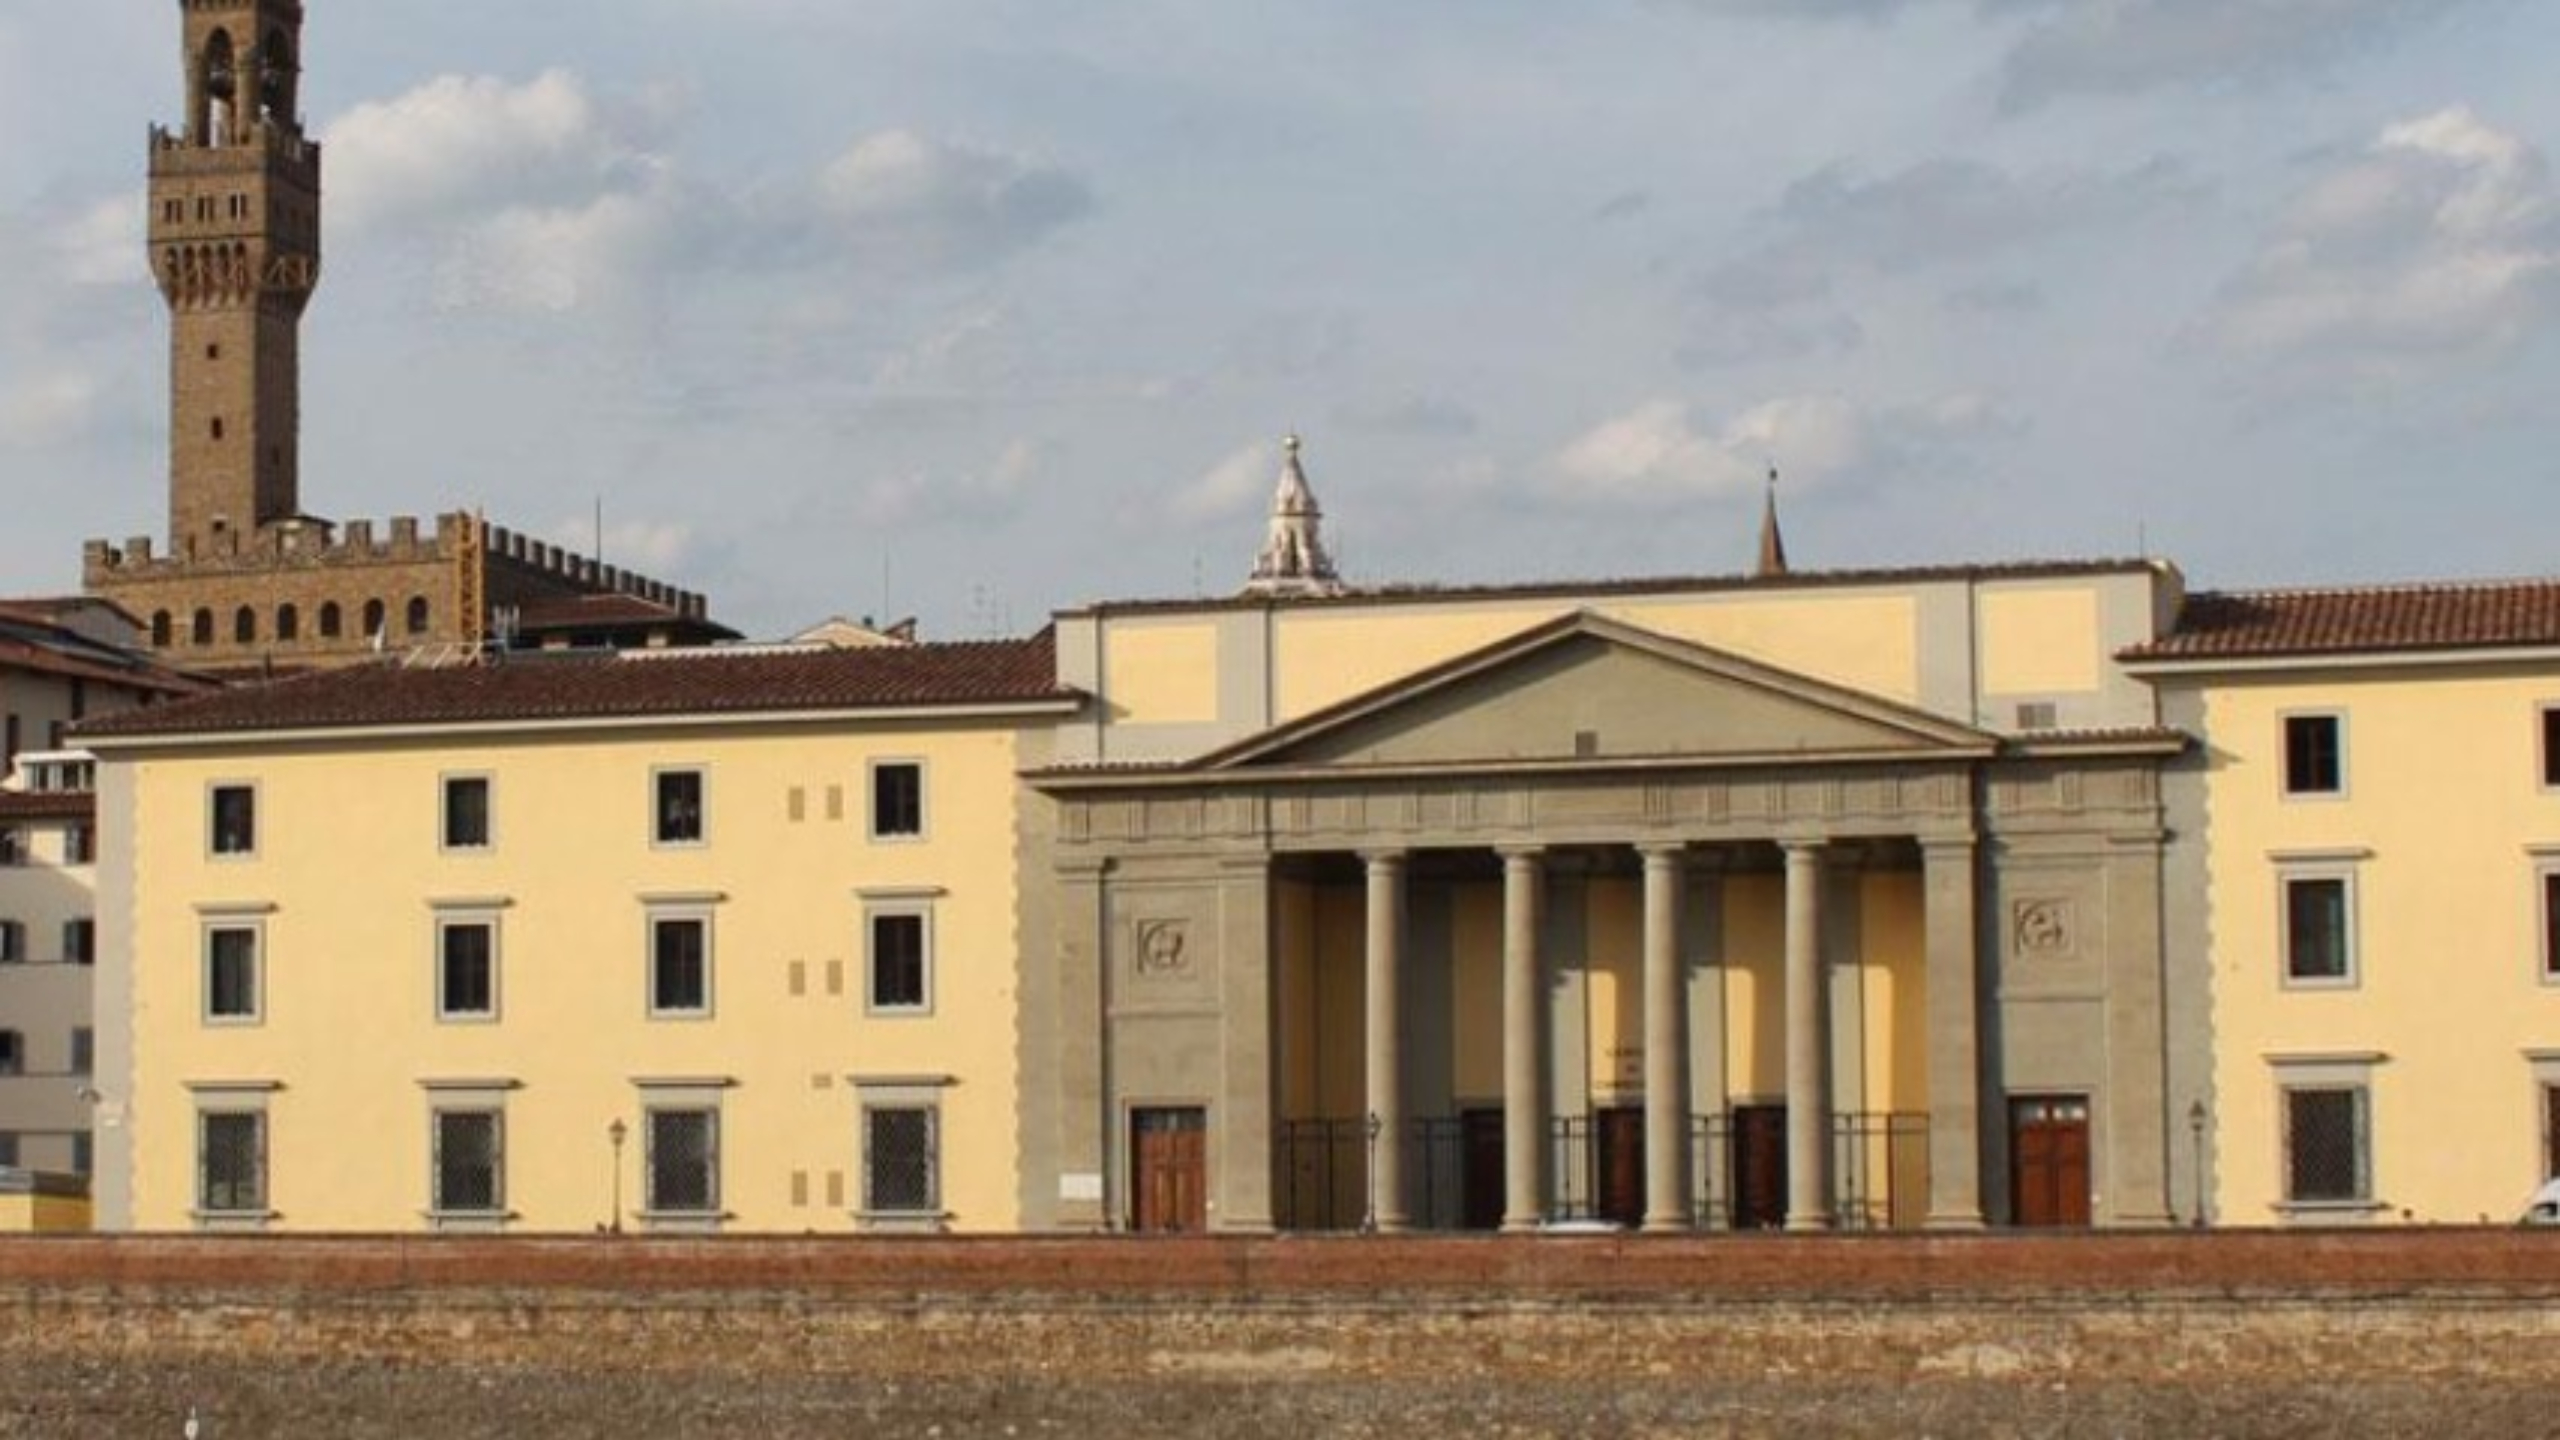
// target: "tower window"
[[213, 352], [244, 626], [373, 615], [418, 615], [288, 623], [202, 629], [217, 427], [330, 623], [160, 628]]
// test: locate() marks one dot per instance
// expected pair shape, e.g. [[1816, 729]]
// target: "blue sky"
[[977, 308]]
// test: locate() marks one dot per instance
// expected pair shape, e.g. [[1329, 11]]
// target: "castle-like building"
[[249, 579]]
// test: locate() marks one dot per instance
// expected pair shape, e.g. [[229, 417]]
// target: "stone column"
[[1241, 1187], [1524, 1091], [1666, 1043], [1385, 1054], [1808, 1100], [1955, 1047]]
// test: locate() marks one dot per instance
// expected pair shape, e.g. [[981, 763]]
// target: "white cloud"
[[924, 496], [2118, 46], [658, 547], [1240, 484], [103, 245], [1665, 453], [2440, 241], [548, 197]]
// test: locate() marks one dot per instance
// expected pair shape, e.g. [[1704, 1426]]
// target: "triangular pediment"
[[1591, 690]]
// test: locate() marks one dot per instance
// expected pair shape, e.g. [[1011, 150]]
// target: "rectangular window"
[[231, 988], [84, 1050], [466, 812], [79, 845], [8, 1149], [235, 820], [678, 807], [13, 942], [2551, 924], [2551, 1132], [13, 1053], [80, 941], [901, 961], [83, 1158], [2319, 930], [470, 1176], [679, 965], [231, 1168], [466, 969], [2327, 1157], [684, 1161], [13, 846], [2314, 755], [2551, 747], [897, 800], [899, 1163]]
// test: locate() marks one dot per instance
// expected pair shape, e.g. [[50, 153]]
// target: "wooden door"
[[1759, 1167], [2049, 1161], [1483, 1181], [1618, 1160], [1169, 1164]]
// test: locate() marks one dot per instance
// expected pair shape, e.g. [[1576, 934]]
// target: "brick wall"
[[2440, 1333]]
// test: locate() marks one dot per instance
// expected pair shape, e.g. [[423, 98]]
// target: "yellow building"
[[2373, 865], [681, 940]]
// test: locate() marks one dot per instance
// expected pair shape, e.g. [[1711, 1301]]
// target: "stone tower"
[[1294, 560], [235, 246]]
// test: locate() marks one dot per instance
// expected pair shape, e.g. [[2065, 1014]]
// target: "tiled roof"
[[1359, 595], [47, 805], [613, 610], [2269, 624], [585, 685]]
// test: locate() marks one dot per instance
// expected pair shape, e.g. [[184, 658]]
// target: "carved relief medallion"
[[1164, 949], [2046, 929]]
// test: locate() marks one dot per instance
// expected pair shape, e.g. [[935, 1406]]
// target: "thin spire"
[[1293, 559], [1773, 541]]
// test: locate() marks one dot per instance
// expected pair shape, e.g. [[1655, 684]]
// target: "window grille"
[[683, 1161], [899, 1159], [2324, 1145], [234, 1177], [467, 1162]]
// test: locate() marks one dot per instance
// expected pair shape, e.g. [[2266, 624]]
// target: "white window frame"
[[213, 848], [448, 918], [256, 929], [875, 910], [2284, 755], [903, 1093], [2293, 871], [2353, 1072], [871, 800], [658, 775], [228, 1099], [488, 812], [696, 913], [2546, 915]]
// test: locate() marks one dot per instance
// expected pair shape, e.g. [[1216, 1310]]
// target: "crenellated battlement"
[[584, 573]]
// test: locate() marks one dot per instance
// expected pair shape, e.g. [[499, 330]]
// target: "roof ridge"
[[2386, 587]]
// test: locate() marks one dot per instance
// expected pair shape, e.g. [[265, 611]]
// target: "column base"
[[1956, 1222], [1808, 1224], [1668, 1225], [1530, 1226]]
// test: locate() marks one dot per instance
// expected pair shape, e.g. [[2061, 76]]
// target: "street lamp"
[[1369, 1218], [617, 1132], [2195, 1128]]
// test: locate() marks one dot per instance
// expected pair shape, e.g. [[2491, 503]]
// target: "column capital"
[[1805, 847], [1963, 842], [1384, 858], [1528, 852], [1653, 850]]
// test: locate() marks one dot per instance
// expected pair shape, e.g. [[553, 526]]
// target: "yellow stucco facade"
[[2410, 797], [351, 1038]]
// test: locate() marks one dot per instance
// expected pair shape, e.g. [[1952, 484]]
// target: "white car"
[[2544, 1207]]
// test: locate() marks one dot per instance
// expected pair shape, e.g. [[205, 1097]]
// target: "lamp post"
[[2195, 1129], [617, 1132], [1372, 1129]]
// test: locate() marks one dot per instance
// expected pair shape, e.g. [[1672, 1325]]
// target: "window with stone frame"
[[232, 984], [676, 807], [679, 965], [469, 1162], [901, 1161], [466, 812], [233, 816], [466, 968], [897, 800], [683, 1160], [2315, 755], [2327, 1145], [900, 960], [2319, 928], [231, 1162]]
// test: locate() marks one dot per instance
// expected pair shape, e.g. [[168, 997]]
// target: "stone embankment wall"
[[2437, 1333]]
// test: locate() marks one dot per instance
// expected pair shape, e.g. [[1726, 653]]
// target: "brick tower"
[[251, 583], [235, 245]]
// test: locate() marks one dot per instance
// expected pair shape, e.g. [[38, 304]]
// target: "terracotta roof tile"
[[575, 686], [2269, 624]]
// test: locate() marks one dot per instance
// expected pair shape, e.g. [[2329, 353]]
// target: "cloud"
[[924, 496], [1237, 485], [47, 410], [1664, 453], [2440, 242], [547, 197], [655, 546], [1783, 298], [2125, 46]]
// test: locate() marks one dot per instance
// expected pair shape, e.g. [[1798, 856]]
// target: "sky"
[[974, 310]]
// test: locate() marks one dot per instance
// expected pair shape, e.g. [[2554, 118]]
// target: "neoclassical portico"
[[1630, 903]]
